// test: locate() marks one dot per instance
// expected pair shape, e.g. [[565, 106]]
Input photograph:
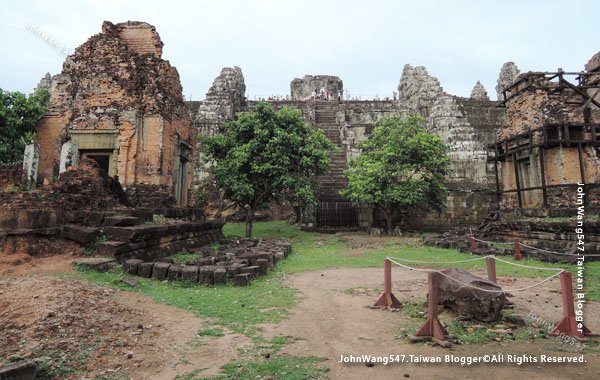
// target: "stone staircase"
[[332, 182]]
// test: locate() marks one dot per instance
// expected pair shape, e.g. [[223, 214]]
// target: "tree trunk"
[[388, 220], [249, 219]]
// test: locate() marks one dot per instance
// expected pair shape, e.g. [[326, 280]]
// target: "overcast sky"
[[365, 42]]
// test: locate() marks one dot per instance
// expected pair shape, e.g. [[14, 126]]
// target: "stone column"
[[68, 156], [31, 159]]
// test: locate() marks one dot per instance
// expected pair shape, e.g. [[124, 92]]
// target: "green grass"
[[464, 333], [182, 258], [332, 252], [280, 367], [266, 300], [212, 332], [239, 309]]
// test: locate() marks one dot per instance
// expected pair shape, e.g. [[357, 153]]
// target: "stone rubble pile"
[[238, 260]]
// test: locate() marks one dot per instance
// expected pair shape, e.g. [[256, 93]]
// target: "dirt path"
[[334, 322], [119, 332]]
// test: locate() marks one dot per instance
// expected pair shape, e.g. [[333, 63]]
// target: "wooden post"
[[387, 299], [518, 256], [491, 268], [568, 325], [472, 242], [432, 328]]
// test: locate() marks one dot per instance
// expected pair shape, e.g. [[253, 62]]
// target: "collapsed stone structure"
[[235, 259], [112, 170], [467, 124], [118, 102]]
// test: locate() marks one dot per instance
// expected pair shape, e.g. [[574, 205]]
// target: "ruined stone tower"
[[120, 103]]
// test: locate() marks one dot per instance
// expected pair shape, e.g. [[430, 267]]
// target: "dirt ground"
[[333, 321], [130, 335], [125, 333]]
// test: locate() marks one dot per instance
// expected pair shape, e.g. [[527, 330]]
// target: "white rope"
[[440, 262], [476, 287], [558, 253], [545, 250], [529, 266]]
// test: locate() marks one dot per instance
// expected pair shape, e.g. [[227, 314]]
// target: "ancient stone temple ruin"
[[547, 147], [119, 103], [112, 170], [467, 124]]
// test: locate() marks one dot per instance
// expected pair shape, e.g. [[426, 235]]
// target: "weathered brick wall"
[[533, 102], [10, 176], [117, 94]]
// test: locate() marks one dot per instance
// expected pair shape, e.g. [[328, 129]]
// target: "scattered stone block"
[[241, 279], [189, 273], [205, 261], [278, 256], [220, 276], [174, 272], [160, 270], [234, 269], [130, 281], [263, 266], [80, 234], [206, 275], [24, 370], [100, 264], [145, 269], [131, 266], [121, 221], [252, 270], [111, 248]]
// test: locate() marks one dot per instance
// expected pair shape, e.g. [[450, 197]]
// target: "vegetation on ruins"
[[266, 155], [19, 115], [401, 165]]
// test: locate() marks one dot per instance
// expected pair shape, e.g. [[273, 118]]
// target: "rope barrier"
[[476, 287], [440, 262], [534, 248], [528, 266]]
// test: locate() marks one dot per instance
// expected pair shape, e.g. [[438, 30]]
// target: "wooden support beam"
[[542, 153], [518, 186]]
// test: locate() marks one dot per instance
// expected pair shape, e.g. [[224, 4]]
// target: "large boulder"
[[472, 301]]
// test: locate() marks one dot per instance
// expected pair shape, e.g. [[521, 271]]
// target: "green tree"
[[401, 165], [266, 155], [19, 116]]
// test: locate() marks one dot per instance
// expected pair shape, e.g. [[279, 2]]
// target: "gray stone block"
[[206, 275], [263, 266], [160, 271], [24, 370], [189, 273], [145, 269], [220, 276], [131, 266], [241, 279], [174, 272]]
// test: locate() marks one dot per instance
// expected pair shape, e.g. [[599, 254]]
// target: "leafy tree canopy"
[[264, 155], [19, 116], [400, 165]]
